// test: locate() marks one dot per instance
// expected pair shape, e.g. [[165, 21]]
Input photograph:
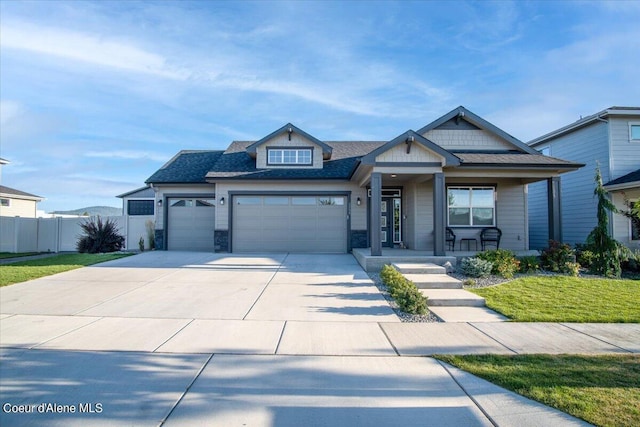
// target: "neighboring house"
[[18, 203], [15, 202], [610, 139], [291, 192]]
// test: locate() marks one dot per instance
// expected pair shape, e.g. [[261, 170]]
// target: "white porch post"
[[439, 214], [376, 207], [555, 212]]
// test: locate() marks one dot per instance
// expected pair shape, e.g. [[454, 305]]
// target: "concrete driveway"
[[171, 338]]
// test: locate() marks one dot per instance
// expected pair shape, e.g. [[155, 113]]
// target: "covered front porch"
[[372, 263]]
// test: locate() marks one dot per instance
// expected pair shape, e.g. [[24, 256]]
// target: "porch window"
[[289, 156], [471, 206]]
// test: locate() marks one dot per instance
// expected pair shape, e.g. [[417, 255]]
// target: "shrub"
[[632, 264], [403, 291], [529, 264], [151, 233], [469, 282], [559, 258], [476, 267], [584, 255], [504, 262], [99, 236]]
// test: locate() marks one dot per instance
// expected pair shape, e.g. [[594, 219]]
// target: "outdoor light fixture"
[[159, 203], [221, 201], [393, 175], [290, 131], [358, 201]]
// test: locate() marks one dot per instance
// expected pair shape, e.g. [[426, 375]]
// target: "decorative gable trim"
[[462, 113], [410, 137], [289, 129]]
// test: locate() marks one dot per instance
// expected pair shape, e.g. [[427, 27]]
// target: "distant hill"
[[93, 211]]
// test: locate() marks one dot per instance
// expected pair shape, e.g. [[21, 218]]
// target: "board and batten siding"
[[587, 145], [283, 141], [358, 213], [625, 154], [467, 139]]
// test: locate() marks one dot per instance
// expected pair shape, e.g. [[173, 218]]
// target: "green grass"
[[566, 299], [28, 270], [602, 390], [5, 255]]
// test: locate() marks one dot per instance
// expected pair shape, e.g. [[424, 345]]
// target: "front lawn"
[[28, 270], [602, 390], [6, 255], [565, 299]]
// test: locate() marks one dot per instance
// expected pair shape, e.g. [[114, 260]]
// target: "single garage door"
[[191, 224], [289, 224]]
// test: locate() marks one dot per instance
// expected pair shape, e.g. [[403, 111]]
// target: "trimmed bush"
[[560, 258], [529, 264], [504, 262], [99, 236], [403, 291], [476, 267]]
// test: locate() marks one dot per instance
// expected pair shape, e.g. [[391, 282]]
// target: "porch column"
[[376, 207], [439, 214], [554, 203]]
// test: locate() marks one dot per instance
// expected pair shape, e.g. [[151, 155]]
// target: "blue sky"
[[96, 96]]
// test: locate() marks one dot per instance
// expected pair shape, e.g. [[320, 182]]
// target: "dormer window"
[[289, 156]]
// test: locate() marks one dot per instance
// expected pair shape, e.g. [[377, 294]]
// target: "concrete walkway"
[[169, 338]]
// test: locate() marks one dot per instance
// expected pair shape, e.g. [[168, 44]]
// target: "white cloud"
[[9, 110], [92, 49], [128, 155]]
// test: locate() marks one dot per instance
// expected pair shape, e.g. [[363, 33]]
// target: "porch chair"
[[450, 239], [490, 235]]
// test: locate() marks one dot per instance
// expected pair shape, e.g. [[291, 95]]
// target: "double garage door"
[[289, 224], [191, 224]]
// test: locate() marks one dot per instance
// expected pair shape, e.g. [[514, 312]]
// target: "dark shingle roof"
[[513, 159], [186, 167], [626, 179], [18, 193], [237, 164]]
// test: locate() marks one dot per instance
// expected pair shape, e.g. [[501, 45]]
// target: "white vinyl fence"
[[61, 234]]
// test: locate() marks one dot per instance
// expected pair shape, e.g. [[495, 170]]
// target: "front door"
[[385, 235]]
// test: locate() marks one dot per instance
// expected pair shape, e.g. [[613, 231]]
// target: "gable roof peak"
[[463, 113], [290, 128]]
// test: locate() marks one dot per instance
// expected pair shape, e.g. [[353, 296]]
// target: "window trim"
[[470, 188], [631, 125], [7, 200], [283, 149]]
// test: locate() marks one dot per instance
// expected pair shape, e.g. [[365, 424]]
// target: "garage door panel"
[[302, 225], [191, 224]]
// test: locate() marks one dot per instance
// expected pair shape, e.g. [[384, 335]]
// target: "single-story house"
[[16, 202], [608, 139], [292, 192]]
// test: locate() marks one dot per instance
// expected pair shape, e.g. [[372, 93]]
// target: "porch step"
[[434, 281], [452, 298], [419, 268]]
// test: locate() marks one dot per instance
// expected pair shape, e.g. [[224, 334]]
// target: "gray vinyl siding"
[[538, 218], [418, 212], [589, 146], [511, 217], [625, 154]]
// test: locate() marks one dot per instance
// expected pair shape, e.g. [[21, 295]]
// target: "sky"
[[96, 96]]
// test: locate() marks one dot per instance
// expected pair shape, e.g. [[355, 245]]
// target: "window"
[[205, 203], [140, 207], [248, 200], [634, 131], [5, 203], [289, 156], [471, 206]]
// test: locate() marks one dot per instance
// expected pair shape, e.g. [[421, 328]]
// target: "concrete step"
[[434, 281], [419, 268], [467, 314], [452, 298]]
